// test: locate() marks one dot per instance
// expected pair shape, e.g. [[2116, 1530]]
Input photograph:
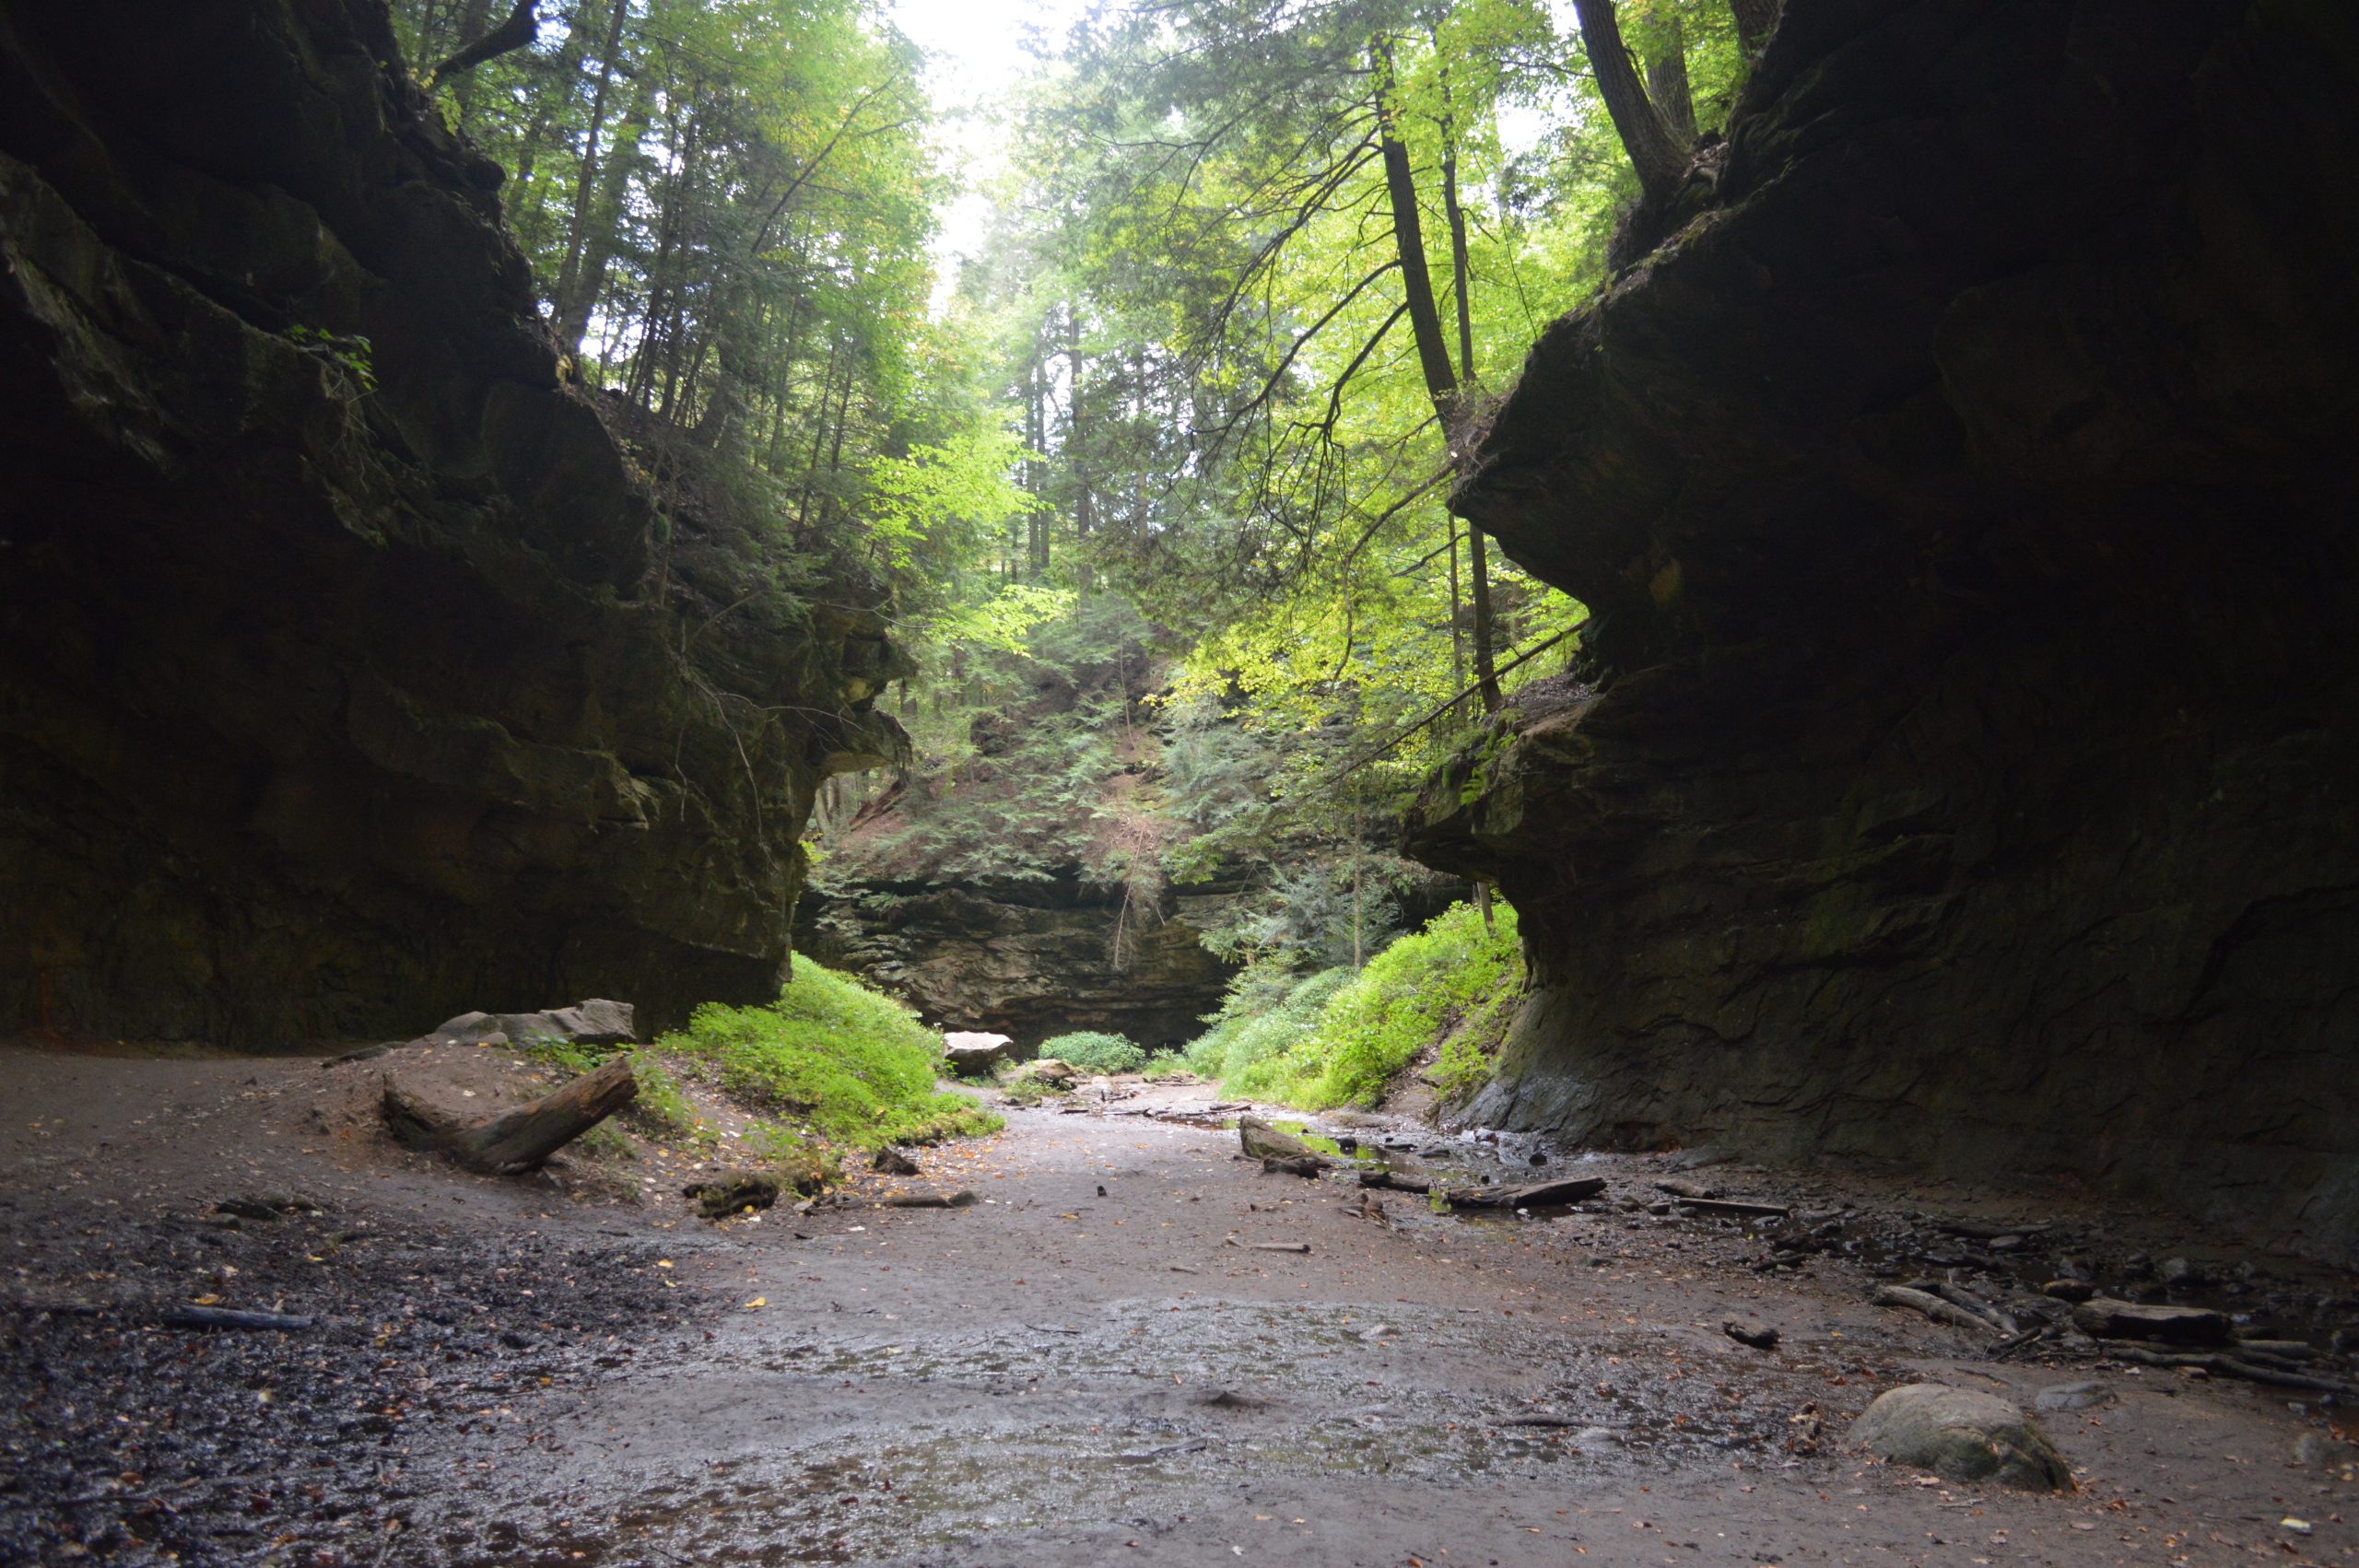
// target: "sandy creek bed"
[[504, 1373]]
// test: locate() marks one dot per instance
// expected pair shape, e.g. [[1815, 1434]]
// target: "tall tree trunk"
[[1457, 635], [1075, 445], [1667, 81], [1478, 565], [550, 102], [475, 21], [818, 435], [1409, 244], [1457, 217], [572, 308], [835, 444], [1656, 151], [1479, 575], [605, 228], [1755, 20]]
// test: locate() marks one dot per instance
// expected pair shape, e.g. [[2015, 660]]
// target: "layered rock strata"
[[1028, 959], [334, 698], [1964, 773]]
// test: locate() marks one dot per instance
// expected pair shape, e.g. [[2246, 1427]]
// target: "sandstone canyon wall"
[[1963, 774], [331, 710]]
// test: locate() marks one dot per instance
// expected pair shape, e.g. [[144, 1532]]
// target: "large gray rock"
[[970, 1052], [1960, 1435], [1266, 1143], [593, 1023]]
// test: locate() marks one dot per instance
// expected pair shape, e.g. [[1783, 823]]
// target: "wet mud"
[[1100, 1361]]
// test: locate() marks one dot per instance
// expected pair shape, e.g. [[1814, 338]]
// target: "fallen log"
[[522, 1139], [961, 1198], [1958, 1295], [1531, 1195], [2230, 1366], [230, 1317], [1933, 1307]]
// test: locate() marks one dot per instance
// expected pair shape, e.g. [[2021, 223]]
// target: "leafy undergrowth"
[[837, 1061], [1093, 1050], [1440, 999], [831, 1067]]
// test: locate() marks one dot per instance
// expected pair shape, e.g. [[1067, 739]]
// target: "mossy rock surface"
[[1960, 1435]]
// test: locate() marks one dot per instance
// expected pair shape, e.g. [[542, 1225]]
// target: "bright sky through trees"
[[976, 51]]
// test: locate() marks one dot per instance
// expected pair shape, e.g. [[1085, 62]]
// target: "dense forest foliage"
[[1253, 276]]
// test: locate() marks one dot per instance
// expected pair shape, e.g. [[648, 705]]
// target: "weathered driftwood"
[[1958, 1295], [2221, 1366], [1531, 1195], [523, 1138], [1934, 1307]]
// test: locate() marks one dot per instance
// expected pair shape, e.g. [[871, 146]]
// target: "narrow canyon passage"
[[1103, 1358]]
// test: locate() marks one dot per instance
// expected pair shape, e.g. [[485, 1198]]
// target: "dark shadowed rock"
[[2111, 1319], [1957, 771], [326, 706], [734, 1191], [1960, 1435]]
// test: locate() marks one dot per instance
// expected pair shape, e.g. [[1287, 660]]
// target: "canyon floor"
[[1100, 1360]]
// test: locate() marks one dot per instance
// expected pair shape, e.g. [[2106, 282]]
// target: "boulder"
[[733, 1192], [1049, 1070], [1963, 1436], [1263, 1141], [972, 1052], [593, 1023]]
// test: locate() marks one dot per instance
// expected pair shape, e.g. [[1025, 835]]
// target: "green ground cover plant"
[[1341, 1038], [833, 1060], [1093, 1050]]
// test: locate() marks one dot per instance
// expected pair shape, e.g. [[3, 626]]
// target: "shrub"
[[1268, 1011], [1341, 1038], [1453, 981], [841, 1060], [661, 1108], [1091, 1050]]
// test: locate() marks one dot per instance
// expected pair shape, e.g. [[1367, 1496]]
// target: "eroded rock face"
[[1966, 776], [332, 700], [1029, 961]]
